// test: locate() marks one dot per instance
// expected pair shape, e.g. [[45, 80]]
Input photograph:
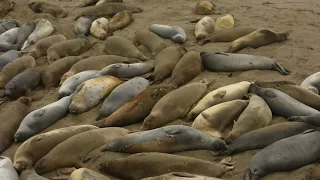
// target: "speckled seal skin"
[[175, 33]]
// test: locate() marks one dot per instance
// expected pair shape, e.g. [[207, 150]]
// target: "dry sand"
[[298, 54]]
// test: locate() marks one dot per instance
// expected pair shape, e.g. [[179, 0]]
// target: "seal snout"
[[76, 108]]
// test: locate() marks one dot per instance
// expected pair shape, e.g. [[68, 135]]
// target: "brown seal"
[[120, 20], [40, 48], [153, 42], [46, 7], [258, 38]]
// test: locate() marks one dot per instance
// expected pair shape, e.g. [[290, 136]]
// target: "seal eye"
[[255, 170]]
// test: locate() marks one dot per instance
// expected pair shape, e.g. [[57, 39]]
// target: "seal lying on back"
[[6, 169], [228, 62], [175, 33], [7, 57], [46, 7], [180, 176], [296, 151], [168, 139], [6, 24], [40, 48], [312, 83]]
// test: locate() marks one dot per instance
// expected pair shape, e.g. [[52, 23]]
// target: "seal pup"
[[43, 29], [7, 57], [100, 28], [174, 105], [220, 95], [10, 36], [175, 33], [82, 26], [255, 116], [187, 68], [91, 92], [258, 38], [204, 8], [167, 139], [312, 119], [216, 119], [138, 108], [150, 40], [224, 22], [117, 45], [121, 94], [42, 118], [180, 176], [312, 83], [6, 169], [6, 6], [25, 30], [30, 174], [204, 27], [84, 174], [154, 164], [296, 151], [6, 24], [276, 100], [120, 20], [47, 7]]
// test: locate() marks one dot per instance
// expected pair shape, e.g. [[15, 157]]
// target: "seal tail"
[[281, 69]]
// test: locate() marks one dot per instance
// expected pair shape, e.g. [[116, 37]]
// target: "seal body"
[[40, 48], [42, 118], [116, 45], [30, 151], [204, 8], [121, 94], [312, 83], [258, 38], [91, 92], [107, 1], [6, 169], [10, 36], [224, 22], [180, 176], [178, 107], [23, 83], [312, 119], [84, 173], [138, 108], [82, 26], [43, 29], [100, 28], [215, 119], [46, 7], [175, 33], [167, 139], [7, 57], [25, 30], [220, 95], [84, 3], [30, 174], [204, 27], [15, 67], [6, 24], [150, 40], [187, 68], [120, 20]]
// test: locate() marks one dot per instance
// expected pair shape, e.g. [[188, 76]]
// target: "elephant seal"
[[165, 62], [6, 6], [258, 38], [82, 26], [10, 36], [312, 83], [85, 3], [91, 92], [33, 149], [116, 45], [43, 29], [175, 33], [122, 70], [227, 35], [42, 118], [297, 92], [23, 83], [12, 116], [276, 100], [187, 68], [296, 151], [216, 119], [46, 7], [73, 149], [30, 174], [138, 108], [6, 169], [25, 30], [312, 119], [6, 24], [70, 84], [204, 27], [40, 48], [228, 62], [153, 164], [168, 139], [224, 22], [107, 9], [255, 116], [107, 1], [15, 67], [7, 47], [204, 8], [72, 47], [7, 57], [86, 174], [100, 28], [220, 95], [120, 20], [150, 40], [52, 74], [121, 94], [178, 107], [180, 176]]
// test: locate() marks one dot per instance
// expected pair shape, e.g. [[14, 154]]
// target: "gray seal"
[[82, 26], [313, 120], [8, 57], [30, 174], [168, 139], [6, 24], [285, 155], [228, 62], [25, 30], [312, 83], [6, 169], [175, 33], [8, 39], [121, 94], [42, 118]]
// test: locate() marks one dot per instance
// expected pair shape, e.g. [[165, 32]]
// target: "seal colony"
[[137, 101]]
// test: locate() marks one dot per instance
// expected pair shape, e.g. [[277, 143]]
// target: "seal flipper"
[[183, 174], [281, 69]]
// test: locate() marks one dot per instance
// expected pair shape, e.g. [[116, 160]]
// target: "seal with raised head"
[[117, 45], [175, 33], [121, 94], [138, 108], [100, 28], [42, 118], [255, 116], [204, 8], [25, 30], [258, 38], [6, 24], [38, 146], [229, 62], [174, 105], [180, 176], [120, 20], [7, 57], [150, 40], [47, 7], [85, 174], [91, 92], [73, 149], [167, 139], [6, 169], [224, 22], [216, 119], [312, 83], [82, 26]]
